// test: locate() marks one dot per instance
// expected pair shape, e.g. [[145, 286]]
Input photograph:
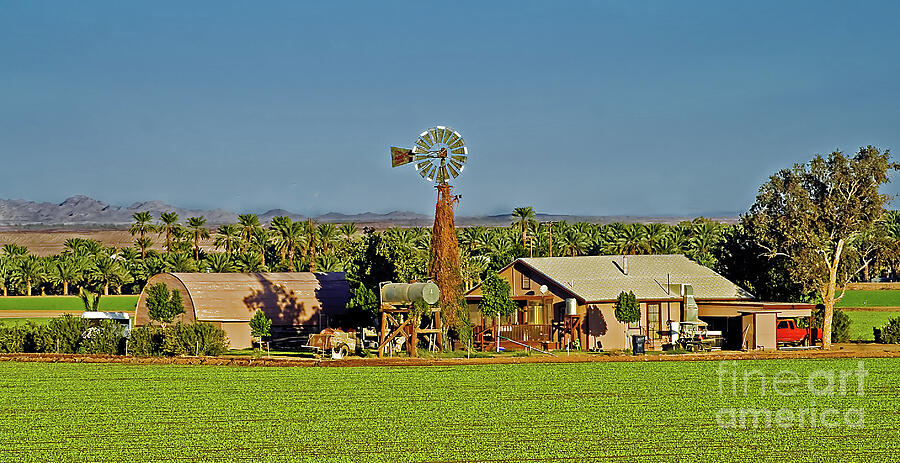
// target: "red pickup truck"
[[787, 332]]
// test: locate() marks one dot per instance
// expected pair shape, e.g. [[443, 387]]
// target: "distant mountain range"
[[84, 212]]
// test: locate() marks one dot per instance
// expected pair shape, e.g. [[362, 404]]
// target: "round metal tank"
[[405, 293], [571, 306]]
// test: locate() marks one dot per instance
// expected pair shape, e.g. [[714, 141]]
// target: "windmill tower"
[[439, 154]]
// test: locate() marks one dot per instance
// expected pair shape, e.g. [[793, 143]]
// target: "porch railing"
[[526, 333]]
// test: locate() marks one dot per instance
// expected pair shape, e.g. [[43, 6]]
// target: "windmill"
[[439, 154]]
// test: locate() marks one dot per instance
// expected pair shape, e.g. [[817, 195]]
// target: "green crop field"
[[866, 298], [864, 320], [634, 411], [22, 321], [107, 303]]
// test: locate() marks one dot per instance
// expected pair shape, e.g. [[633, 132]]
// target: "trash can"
[[637, 344]]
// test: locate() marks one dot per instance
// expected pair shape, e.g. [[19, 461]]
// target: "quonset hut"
[[295, 302]]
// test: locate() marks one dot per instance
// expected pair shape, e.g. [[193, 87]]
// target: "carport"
[[750, 325]]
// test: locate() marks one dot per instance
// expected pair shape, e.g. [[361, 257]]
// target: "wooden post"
[[383, 333], [413, 340], [438, 323]]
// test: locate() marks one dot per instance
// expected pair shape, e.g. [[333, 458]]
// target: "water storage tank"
[[571, 306], [406, 293]]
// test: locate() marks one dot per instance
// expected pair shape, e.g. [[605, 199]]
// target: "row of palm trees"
[[288, 245]]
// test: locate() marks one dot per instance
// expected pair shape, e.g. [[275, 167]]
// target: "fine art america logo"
[[735, 382]]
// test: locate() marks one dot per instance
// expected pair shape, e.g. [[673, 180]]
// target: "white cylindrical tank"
[[571, 306], [675, 327]]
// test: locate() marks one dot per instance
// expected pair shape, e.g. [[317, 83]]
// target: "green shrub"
[[890, 333], [840, 323], [106, 338], [39, 338], [12, 338], [194, 339], [66, 332], [627, 308], [146, 341]]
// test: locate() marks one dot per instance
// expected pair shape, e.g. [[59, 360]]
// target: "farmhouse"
[[295, 302], [571, 300]]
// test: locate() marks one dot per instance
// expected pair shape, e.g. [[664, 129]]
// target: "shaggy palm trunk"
[[444, 264], [106, 289], [65, 288], [28, 287]]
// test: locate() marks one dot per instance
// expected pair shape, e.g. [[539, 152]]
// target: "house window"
[[526, 282]]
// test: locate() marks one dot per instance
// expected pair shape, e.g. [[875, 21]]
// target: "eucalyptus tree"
[[142, 225], [197, 226], [808, 214], [522, 216], [168, 226]]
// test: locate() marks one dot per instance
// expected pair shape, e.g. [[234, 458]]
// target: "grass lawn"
[[107, 303], [864, 320], [22, 321], [865, 298], [616, 411]]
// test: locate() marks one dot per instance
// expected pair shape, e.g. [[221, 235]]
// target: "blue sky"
[[643, 108]]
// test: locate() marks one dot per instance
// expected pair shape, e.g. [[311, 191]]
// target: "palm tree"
[[249, 262], [329, 263], [105, 270], [181, 262], [633, 239], [655, 235], [247, 223], [288, 235], [348, 230], [311, 241], [30, 271], [573, 241], [328, 236], [217, 262], [226, 236], [66, 271], [196, 226], [522, 216], [6, 266], [143, 224], [170, 226], [259, 242], [14, 250]]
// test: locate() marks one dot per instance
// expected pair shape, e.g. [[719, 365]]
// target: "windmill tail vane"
[[439, 154]]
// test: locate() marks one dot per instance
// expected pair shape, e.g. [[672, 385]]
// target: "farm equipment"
[[339, 343], [693, 336]]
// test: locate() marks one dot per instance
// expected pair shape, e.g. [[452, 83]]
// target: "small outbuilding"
[[296, 302]]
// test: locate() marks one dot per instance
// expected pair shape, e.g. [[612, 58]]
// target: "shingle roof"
[[600, 278]]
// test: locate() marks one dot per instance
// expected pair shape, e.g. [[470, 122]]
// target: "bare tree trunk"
[[28, 288], [65, 288], [828, 296], [106, 289]]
